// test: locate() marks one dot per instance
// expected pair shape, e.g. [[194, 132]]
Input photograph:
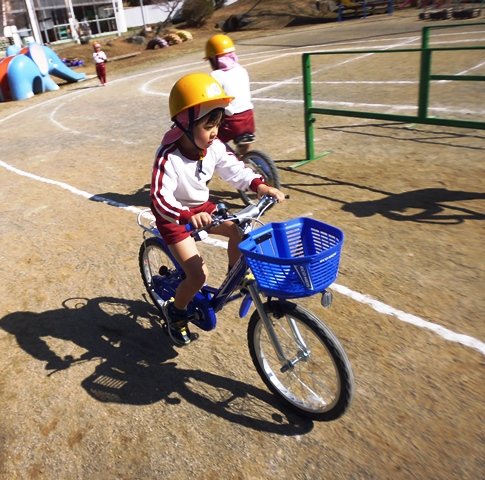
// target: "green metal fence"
[[423, 96]]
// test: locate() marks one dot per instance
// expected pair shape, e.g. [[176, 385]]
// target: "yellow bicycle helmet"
[[197, 89], [218, 44]]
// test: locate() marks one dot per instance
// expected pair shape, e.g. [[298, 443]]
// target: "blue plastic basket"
[[294, 259]]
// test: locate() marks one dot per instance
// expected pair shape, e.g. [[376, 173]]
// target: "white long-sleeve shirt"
[[100, 57], [180, 183], [235, 83]]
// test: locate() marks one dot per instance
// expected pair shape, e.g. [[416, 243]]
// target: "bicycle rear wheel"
[[159, 274], [315, 377], [264, 165]]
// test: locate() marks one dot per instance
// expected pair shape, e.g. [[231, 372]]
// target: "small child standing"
[[100, 60], [234, 79]]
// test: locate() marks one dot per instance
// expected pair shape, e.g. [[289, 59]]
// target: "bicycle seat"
[[244, 138]]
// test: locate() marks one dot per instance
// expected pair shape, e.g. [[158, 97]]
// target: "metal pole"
[[119, 16], [390, 7], [143, 15], [34, 24], [307, 101], [73, 23], [424, 74]]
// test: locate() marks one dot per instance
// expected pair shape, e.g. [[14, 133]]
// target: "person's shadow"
[[133, 362], [429, 205], [141, 198]]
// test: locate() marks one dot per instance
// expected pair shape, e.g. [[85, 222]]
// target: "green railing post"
[[425, 72], [424, 88], [307, 101]]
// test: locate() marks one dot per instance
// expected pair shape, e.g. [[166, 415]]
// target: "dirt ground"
[[90, 386]]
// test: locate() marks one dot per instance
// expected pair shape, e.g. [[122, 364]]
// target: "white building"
[[50, 21]]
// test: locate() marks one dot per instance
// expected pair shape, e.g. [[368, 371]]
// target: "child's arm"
[[162, 192], [233, 170]]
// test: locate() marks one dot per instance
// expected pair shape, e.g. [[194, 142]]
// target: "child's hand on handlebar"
[[200, 220], [264, 189]]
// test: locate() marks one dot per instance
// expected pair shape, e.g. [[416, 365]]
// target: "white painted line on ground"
[[72, 131], [347, 82], [386, 106], [411, 319], [377, 305], [69, 188], [479, 65], [338, 64], [349, 45]]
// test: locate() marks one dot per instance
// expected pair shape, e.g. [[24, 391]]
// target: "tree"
[[171, 8], [196, 12]]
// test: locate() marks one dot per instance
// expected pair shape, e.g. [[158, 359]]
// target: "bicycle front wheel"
[[312, 375], [160, 275], [264, 165]]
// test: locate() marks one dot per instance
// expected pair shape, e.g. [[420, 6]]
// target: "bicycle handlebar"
[[244, 216]]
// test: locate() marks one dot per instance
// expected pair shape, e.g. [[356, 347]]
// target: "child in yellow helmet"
[[234, 78], [189, 155]]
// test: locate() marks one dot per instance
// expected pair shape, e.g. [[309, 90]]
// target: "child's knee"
[[234, 232], [200, 278]]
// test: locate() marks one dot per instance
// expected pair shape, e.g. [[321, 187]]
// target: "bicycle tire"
[[264, 165], [159, 274], [306, 387]]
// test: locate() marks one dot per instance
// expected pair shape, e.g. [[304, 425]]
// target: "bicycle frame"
[[254, 292], [212, 299]]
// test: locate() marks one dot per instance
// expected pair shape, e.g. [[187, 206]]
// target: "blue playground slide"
[[26, 72]]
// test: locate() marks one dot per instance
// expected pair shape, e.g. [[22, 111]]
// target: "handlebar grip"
[[196, 234]]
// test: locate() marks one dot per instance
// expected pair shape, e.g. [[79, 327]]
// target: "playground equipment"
[[446, 9], [26, 72], [364, 8], [426, 77]]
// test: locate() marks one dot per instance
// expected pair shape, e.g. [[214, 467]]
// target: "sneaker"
[[177, 324]]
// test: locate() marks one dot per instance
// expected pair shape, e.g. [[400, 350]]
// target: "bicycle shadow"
[[428, 205], [134, 362]]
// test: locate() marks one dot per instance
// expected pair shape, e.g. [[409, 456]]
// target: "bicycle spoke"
[[316, 378]]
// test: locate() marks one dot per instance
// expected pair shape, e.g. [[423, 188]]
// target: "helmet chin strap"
[[190, 136], [188, 131]]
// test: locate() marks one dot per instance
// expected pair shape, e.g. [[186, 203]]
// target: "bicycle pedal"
[[193, 335]]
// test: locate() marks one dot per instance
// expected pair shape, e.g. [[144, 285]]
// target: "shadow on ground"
[[133, 362]]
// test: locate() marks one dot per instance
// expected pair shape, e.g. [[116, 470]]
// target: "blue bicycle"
[[295, 353]]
